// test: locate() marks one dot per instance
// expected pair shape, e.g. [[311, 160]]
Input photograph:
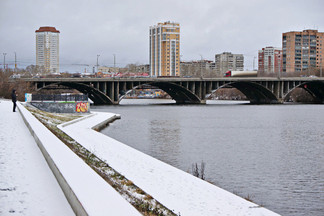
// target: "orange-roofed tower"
[[47, 48]]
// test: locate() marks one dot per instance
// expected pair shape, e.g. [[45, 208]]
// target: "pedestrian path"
[[27, 185]]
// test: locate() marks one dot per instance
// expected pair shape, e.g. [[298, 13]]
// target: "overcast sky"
[[121, 27]]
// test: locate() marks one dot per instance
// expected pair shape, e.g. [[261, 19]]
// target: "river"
[[272, 154]]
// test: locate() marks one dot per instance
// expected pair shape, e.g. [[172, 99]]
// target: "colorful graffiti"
[[82, 107]]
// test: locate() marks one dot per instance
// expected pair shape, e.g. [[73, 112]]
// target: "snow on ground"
[[27, 185], [175, 189], [88, 193]]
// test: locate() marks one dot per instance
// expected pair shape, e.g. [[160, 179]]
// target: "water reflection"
[[166, 137]]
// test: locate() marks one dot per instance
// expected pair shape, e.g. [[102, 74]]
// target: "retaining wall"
[[63, 106]]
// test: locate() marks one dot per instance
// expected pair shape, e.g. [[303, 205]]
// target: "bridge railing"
[[58, 97]]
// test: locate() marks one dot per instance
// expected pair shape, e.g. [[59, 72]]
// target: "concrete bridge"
[[188, 90]]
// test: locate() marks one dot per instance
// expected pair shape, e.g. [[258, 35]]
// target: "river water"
[[273, 154]]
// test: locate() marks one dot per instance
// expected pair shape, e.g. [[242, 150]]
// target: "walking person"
[[14, 99]]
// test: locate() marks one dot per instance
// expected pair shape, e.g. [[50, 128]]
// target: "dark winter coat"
[[13, 96]]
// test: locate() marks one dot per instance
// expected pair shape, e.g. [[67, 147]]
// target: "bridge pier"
[[280, 101], [190, 102], [262, 102]]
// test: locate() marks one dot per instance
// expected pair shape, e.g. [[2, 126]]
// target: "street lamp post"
[[201, 61], [114, 62], [97, 62], [4, 62], [15, 63], [254, 62]]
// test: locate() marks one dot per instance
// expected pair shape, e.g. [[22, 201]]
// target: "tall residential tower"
[[47, 48], [165, 49], [302, 51]]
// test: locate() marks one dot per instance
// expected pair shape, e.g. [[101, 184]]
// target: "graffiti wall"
[[63, 107], [82, 107]]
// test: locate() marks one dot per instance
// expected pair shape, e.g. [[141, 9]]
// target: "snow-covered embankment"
[[87, 192]]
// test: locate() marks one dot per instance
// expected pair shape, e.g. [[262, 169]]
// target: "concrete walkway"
[[27, 185]]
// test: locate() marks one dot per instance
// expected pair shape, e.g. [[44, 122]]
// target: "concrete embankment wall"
[[87, 192], [63, 107]]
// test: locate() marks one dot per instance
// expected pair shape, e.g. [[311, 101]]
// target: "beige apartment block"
[[227, 61], [302, 51], [165, 49]]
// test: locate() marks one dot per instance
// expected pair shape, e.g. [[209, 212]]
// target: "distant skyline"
[[100, 27]]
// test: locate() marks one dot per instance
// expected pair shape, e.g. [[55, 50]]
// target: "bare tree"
[[33, 70], [131, 67], [199, 173]]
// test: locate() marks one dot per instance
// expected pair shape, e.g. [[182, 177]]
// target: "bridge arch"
[[97, 96], [177, 92], [314, 88], [255, 92]]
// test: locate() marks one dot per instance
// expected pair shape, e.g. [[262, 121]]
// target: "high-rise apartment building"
[[165, 49], [302, 51], [227, 61], [269, 60], [47, 48]]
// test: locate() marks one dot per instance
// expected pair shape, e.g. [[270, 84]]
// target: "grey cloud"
[[121, 27]]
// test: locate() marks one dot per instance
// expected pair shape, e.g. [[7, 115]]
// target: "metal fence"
[[42, 97]]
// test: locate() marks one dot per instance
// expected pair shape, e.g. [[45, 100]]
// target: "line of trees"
[[9, 80]]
